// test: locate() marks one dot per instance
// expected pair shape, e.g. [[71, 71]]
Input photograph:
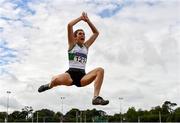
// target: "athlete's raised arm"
[[71, 40], [95, 34]]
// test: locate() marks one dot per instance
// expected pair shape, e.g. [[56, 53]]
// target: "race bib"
[[80, 59]]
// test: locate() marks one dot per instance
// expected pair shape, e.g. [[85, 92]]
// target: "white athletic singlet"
[[78, 57]]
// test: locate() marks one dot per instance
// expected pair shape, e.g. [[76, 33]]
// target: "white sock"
[[95, 97]]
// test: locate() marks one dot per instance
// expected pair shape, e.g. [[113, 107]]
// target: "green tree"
[[72, 114], [114, 118], [177, 115], [2, 116], [91, 114], [27, 112], [156, 110], [131, 115], [141, 115], [58, 116], [167, 111], [14, 116], [45, 115], [167, 107]]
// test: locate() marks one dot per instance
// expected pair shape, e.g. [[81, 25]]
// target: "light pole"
[[85, 116], [80, 116], [44, 119], [32, 116], [159, 117], [37, 117], [62, 98], [139, 119], [76, 116], [120, 98], [8, 93]]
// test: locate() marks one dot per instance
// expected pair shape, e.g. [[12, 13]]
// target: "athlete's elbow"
[[69, 25], [97, 33]]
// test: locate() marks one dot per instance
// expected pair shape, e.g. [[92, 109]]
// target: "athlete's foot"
[[99, 101], [43, 88]]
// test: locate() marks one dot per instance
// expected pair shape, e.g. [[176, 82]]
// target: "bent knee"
[[100, 69], [54, 78], [62, 78]]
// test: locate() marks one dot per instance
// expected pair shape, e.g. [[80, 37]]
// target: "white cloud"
[[138, 47]]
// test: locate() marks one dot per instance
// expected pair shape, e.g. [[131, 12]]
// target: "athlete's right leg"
[[61, 79]]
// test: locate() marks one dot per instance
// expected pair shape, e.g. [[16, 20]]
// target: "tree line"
[[167, 112]]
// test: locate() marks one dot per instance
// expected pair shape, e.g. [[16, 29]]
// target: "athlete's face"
[[80, 37]]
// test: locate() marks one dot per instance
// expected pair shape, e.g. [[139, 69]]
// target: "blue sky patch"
[[7, 55], [24, 22], [109, 12], [1, 29], [152, 3], [25, 10], [23, 4], [106, 13]]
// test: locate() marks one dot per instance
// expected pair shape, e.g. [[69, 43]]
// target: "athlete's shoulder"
[[85, 46], [71, 47]]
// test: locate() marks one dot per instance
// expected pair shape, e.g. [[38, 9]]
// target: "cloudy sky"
[[138, 47]]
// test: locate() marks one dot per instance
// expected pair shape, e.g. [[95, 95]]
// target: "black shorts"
[[76, 75]]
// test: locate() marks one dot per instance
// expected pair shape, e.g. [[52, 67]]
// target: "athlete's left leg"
[[97, 76]]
